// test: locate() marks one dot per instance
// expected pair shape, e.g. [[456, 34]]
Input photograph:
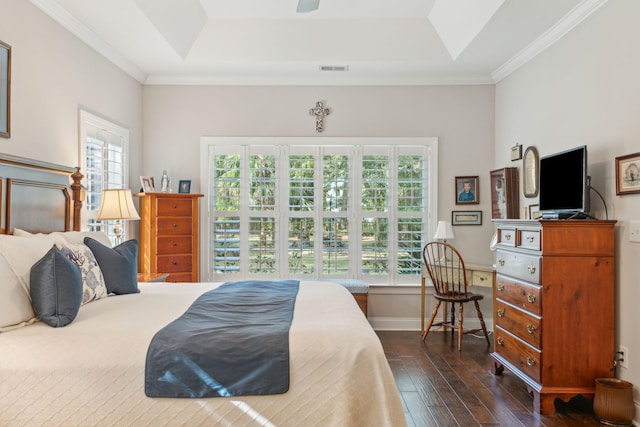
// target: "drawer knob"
[[500, 341], [531, 329], [531, 269], [530, 239], [175, 206], [500, 286], [531, 298], [507, 236], [174, 244], [530, 361], [174, 225], [174, 262], [501, 312], [501, 262]]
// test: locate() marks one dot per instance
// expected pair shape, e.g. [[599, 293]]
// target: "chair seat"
[[458, 297]]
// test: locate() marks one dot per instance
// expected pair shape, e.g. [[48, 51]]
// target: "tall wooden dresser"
[[169, 235], [554, 306]]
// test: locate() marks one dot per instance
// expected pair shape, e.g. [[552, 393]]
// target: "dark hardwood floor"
[[440, 386]]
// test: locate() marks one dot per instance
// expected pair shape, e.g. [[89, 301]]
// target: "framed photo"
[[5, 90], [147, 184], [467, 190], [505, 200], [184, 186], [466, 218], [628, 174], [534, 212]]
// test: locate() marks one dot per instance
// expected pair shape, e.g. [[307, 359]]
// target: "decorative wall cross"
[[320, 112]]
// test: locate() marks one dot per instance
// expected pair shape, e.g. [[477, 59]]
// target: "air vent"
[[334, 68]]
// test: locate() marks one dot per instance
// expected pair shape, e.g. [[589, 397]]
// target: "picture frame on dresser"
[[147, 184], [505, 190], [5, 90], [628, 174], [184, 186]]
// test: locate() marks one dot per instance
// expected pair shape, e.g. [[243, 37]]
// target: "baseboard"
[[413, 324]]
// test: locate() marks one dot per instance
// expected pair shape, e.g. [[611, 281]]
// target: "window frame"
[[428, 145], [87, 122]]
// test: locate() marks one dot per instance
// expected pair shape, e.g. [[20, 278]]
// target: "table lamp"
[[117, 205], [444, 232]]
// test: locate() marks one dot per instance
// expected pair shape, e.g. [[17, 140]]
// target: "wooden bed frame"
[[37, 196]]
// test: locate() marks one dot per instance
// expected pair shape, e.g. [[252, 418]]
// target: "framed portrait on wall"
[[628, 174], [505, 199], [467, 190], [5, 90]]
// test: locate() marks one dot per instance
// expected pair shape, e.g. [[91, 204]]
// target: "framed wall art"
[[505, 200], [467, 190], [628, 174], [466, 218], [5, 90]]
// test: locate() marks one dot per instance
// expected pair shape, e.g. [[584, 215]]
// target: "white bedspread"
[[92, 371]]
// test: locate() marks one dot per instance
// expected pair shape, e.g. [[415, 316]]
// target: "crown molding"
[[300, 80], [64, 18], [578, 14]]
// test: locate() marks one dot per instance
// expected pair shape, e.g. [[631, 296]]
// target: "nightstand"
[[152, 277]]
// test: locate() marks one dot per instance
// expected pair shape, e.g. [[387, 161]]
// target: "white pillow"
[[15, 301], [18, 255], [74, 237]]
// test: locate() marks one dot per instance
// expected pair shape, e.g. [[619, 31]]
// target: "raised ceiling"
[[358, 42]]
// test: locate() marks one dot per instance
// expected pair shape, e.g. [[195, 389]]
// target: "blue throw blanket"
[[232, 341]]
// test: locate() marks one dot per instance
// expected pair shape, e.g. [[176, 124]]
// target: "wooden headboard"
[[38, 196]]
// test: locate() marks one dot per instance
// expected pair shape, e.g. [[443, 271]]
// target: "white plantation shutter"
[[104, 153], [318, 208]]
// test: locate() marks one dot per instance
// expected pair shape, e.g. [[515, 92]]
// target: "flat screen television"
[[564, 184]]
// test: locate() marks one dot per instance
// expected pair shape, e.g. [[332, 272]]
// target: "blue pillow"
[[56, 288], [119, 265]]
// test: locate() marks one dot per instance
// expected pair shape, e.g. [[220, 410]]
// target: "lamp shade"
[[444, 231], [117, 204]]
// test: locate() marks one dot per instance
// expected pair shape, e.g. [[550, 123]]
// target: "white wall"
[[586, 90], [52, 75], [462, 117]]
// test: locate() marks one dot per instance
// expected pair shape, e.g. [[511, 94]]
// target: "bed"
[[91, 372]]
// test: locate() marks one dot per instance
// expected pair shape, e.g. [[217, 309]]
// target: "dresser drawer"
[[481, 278], [520, 294], [174, 207], [521, 266], [518, 322], [529, 239], [180, 277], [507, 236], [174, 245], [174, 263], [524, 357], [174, 226]]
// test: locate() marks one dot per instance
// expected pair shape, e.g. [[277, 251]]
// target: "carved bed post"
[[78, 194]]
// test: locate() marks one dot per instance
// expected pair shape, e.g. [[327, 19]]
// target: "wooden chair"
[[448, 275]]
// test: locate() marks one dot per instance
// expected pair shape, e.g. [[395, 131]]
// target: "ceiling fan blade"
[[305, 6]]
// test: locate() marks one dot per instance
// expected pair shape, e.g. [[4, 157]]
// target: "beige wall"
[[53, 74], [585, 90], [462, 117]]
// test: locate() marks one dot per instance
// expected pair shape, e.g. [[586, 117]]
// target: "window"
[[104, 158], [318, 207]]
